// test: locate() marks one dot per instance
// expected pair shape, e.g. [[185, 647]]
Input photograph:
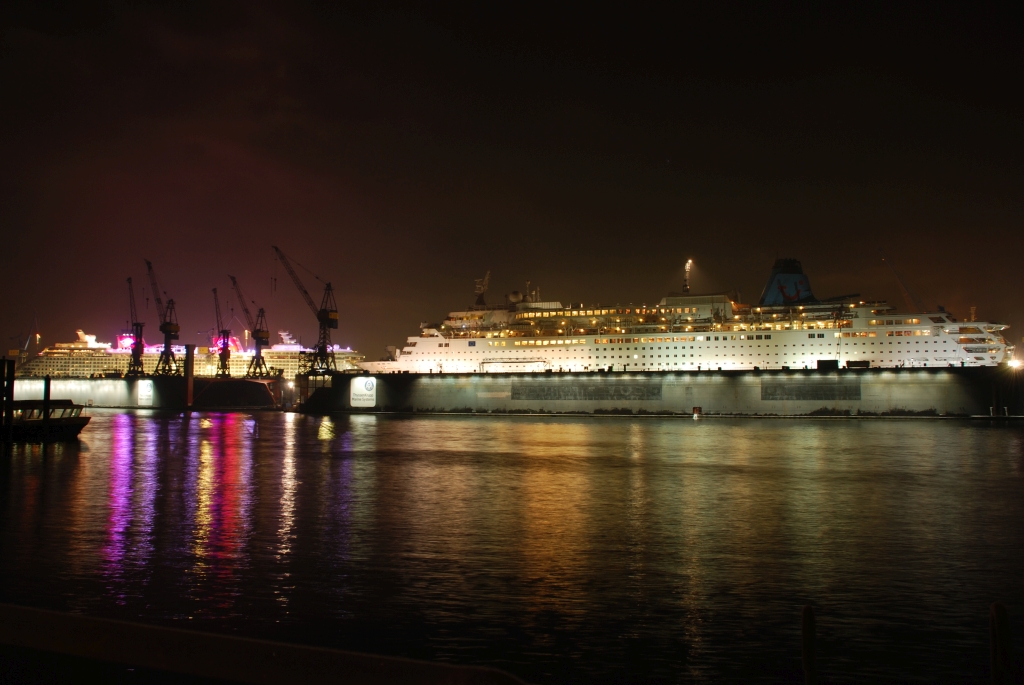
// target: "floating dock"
[[158, 392], [925, 392]]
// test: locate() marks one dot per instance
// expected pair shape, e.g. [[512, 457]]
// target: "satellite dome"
[[515, 297]]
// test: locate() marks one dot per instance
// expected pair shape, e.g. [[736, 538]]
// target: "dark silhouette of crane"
[[223, 341], [167, 365], [260, 334], [321, 362], [135, 365]]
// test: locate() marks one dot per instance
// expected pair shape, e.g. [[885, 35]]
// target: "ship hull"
[[57, 430]]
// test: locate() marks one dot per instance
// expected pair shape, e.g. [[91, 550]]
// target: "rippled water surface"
[[586, 549]]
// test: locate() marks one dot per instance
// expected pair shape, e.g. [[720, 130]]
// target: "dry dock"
[[922, 392]]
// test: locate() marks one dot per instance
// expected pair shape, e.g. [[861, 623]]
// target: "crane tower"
[[223, 342], [321, 362], [260, 334], [167, 365], [135, 365]]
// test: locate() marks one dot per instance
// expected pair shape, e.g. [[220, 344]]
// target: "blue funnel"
[[787, 285]]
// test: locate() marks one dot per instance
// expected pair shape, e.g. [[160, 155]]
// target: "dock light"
[[291, 385], [1014, 363]]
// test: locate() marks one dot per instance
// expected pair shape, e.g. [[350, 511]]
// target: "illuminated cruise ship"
[[87, 358], [788, 328]]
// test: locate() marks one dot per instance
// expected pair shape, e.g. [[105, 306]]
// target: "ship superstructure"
[[788, 328]]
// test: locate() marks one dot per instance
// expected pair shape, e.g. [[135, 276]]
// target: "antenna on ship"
[[481, 288]]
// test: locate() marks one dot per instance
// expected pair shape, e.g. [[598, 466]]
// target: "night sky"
[[401, 152]]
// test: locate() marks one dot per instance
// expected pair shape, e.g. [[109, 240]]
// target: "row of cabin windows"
[[605, 312], [902, 322], [55, 413], [691, 338]]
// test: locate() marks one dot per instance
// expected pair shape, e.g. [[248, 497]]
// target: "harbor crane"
[[260, 334], [135, 365], [167, 365], [322, 362], [223, 341]]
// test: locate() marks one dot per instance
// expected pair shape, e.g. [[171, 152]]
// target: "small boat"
[[63, 424]]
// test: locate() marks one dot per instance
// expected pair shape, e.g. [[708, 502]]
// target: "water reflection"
[[587, 549], [122, 454]]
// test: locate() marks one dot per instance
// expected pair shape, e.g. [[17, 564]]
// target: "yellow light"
[[1014, 363]]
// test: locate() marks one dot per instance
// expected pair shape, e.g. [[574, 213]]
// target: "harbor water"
[[584, 549]]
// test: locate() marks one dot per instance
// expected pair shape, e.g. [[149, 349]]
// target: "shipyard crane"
[[167, 365], [914, 304], [322, 362], [260, 334], [223, 341], [135, 365]]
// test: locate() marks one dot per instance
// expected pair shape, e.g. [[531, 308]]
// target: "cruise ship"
[[787, 328], [87, 358]]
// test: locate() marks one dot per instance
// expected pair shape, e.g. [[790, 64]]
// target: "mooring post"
[[807, 635], [46, 407], [190, 372], [999, 643], [8, 427]]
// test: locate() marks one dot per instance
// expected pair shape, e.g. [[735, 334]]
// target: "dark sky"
[[401, 152]]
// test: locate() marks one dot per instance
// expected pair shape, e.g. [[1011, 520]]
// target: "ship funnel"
[[786, 285]]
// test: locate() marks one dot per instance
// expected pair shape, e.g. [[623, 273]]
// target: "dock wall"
[[155, 392], [853, 392]]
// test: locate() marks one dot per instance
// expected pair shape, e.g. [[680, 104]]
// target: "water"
[[560, 549]]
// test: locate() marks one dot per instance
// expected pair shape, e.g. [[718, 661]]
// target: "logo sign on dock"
[[145, 393], [363, 391]]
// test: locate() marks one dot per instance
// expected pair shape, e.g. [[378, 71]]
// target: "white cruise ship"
[[788, 328], [86, 358]]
